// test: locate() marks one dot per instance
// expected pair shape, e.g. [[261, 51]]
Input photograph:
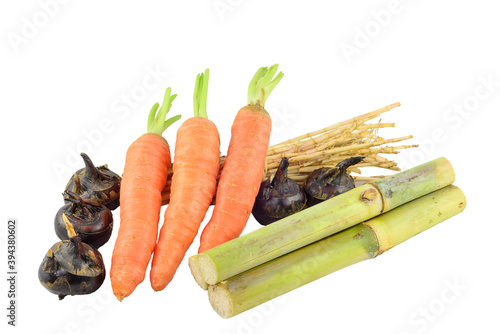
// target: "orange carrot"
[[144, 176], [244, 166], [196, 167]]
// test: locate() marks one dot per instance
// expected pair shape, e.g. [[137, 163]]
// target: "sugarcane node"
[[369, 195]]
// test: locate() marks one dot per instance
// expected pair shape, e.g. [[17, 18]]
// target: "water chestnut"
[[92, 221], [325, 183], [278, 198], [98, 184], [72, 267]]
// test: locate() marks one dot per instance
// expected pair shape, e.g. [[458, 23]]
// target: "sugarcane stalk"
[[320, 221], [361, 242]]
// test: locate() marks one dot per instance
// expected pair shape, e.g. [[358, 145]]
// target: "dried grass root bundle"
[[328, 146]]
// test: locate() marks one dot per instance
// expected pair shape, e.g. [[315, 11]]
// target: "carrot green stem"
[[200, 95], [156, 121], [263, 84]]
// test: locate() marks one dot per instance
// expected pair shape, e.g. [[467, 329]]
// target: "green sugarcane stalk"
[[319, 221], [363, 241]]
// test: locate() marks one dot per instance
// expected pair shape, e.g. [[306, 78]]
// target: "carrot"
[[196, 167], [244, 166], [144, 176]]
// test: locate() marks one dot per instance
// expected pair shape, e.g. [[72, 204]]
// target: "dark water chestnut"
[[72, 267], [325, 183], [92, 221], [278, 198], [98, 184]]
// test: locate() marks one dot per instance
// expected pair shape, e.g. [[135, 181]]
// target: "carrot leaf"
[[156, 120], [262, 85], [200, 95]]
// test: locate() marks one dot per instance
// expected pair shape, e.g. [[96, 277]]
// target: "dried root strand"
[[328, 146]]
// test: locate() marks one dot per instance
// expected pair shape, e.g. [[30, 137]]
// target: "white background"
[[68, 68]]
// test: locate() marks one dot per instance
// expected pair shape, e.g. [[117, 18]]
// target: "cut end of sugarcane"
[[221, 301], [206, 268], [196, 274]]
